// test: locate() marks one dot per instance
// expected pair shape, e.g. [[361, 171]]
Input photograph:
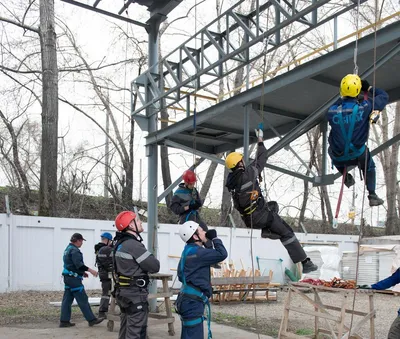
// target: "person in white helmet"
[[194, 274]]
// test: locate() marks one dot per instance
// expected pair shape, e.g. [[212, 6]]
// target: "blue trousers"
[[72, 283], [190, 309]]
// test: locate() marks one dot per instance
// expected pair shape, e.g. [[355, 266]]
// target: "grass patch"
[[243, 322], [305, 331], [11, 311]]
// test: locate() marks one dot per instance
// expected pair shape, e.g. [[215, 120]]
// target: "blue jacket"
[[197, 265], [73, 260], [384, 284], [360, 133]]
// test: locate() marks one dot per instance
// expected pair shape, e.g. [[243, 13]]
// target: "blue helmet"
[[106, 235]]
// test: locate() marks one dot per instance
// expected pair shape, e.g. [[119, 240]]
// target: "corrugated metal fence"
[[31, 248]]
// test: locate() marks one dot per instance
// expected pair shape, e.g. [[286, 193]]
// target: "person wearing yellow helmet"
[[350, 119], [256, 213]]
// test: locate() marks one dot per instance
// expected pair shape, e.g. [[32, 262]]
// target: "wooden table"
[[154, 318], [336, 327]]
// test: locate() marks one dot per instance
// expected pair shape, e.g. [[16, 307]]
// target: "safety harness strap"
[[191, 291], [350, 151], [65, 270]]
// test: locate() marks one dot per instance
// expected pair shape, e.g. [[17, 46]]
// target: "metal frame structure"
[[158, 9], [187, 69]]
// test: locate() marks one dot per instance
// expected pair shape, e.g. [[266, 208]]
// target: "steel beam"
[[307, 70], [188, 149], [177, 181], [277, 111], [246, 131], [319, 114], [226, 54], [101, 11]]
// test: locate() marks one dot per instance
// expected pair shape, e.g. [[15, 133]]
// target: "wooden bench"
[[154, 318]]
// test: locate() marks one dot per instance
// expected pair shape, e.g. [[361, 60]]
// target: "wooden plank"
[[332, 289], [160, 295], [171, 330], [159, 276], [239, 280], [316, 321], [318, 300], [152, 321], [342, 315], [334, 308], [293, 336], [359, 325], [285, 319], [372, 319], [315, 314]]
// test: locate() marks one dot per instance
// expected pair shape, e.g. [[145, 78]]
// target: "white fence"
[[31, 248]]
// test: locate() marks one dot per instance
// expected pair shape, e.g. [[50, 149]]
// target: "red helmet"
[[189, 177], [123, 219]]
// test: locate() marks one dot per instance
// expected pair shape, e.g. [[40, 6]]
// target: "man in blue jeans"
[[73, 273], [394, 279]]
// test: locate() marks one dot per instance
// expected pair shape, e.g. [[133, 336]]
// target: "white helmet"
[[187, 230]]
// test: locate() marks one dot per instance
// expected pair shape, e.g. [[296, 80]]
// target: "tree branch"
[[18, 24]]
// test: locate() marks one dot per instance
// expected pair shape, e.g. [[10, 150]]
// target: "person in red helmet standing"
[[186, 202], [132, 263]]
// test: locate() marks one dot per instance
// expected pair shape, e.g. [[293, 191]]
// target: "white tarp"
[[331, 258]]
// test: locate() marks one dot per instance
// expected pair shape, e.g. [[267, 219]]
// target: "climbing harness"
[[69, 273], [191, 292]]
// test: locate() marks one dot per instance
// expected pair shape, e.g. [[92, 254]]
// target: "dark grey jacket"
[[183, 197], [132, 259]]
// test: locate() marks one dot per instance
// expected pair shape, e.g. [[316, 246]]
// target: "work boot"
[[102, 315], [66, 324], [95, 321], [349, 180], [216, 266], [374, 200], [266, 233], [308, 266]]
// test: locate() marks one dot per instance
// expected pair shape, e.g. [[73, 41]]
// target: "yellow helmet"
[[350, 86], [233, 159]]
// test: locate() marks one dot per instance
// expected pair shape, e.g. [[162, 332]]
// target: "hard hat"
[[233, 159], [350, 86], [106, 235], [189, 177], [123, 219], [187, 230]]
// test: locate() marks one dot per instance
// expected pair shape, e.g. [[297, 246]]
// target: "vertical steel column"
[[277, 22], [324, 130], [246, 129], [152, 155], [335, 32]]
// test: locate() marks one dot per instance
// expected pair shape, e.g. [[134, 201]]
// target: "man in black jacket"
[[244, 186], [73, 273], [103, 251]]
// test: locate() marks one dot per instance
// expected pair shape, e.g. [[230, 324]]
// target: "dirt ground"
[[31, 311]]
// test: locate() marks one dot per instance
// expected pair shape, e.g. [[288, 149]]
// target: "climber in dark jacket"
[[243, 184], [394, 279], [104, 262], [350, 121], [186, 202]]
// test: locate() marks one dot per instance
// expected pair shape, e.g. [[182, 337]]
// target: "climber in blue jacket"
[[194, 274], [350, 119], [394, 279]]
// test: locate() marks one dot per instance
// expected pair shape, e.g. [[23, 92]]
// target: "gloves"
[[195, 205], [364, 85], [259, 130], [211, 234], [374, 117], [85, 275]]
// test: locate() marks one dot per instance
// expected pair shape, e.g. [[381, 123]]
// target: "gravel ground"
[[269, 314], [32, 308]]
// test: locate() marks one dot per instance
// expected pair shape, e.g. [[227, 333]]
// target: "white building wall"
[[35, 247]]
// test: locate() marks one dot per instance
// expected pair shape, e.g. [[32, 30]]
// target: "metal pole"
[[140, 182], [246, 127], [152, 155], [335, 33]]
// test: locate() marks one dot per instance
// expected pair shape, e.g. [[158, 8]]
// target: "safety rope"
[[356, 44], [360, 235]]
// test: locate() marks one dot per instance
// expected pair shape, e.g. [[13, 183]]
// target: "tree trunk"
[[48, 166], [209, 178]]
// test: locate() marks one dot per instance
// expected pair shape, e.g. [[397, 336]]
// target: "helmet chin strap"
[[136, 230]]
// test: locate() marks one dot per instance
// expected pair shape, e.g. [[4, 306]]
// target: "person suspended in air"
[[256, 213], [350, 118]]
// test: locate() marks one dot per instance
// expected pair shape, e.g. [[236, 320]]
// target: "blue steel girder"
[[180, 78]]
